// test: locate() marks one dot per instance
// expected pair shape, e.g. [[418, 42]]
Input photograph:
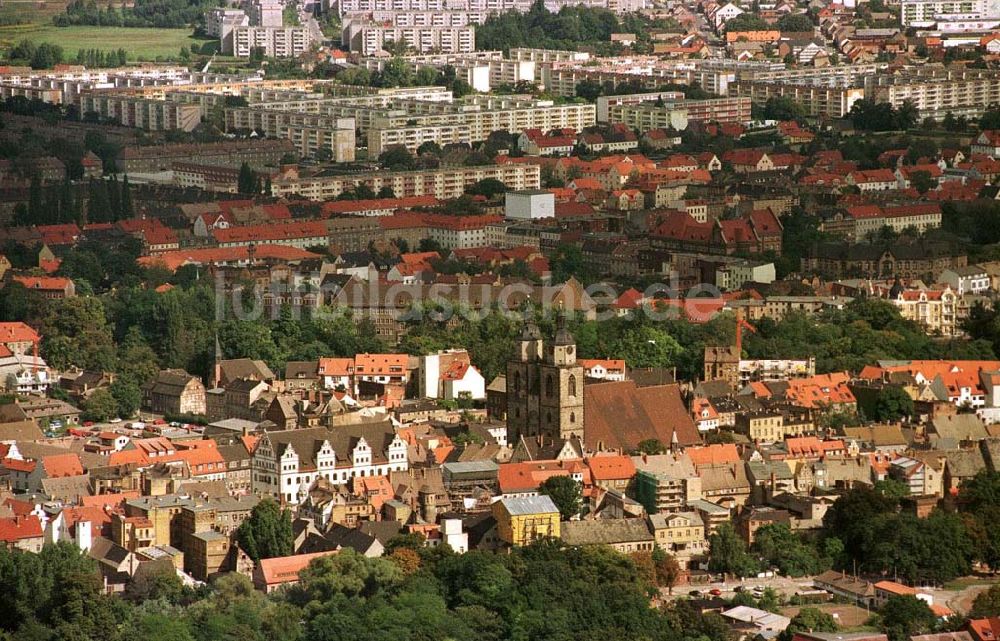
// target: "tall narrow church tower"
[[562, 386], [545, 385], [522, 381]]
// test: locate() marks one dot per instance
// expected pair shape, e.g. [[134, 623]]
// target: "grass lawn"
[[144, 44]]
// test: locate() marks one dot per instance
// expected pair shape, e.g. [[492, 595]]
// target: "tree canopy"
[[267, 533], [565, 492]]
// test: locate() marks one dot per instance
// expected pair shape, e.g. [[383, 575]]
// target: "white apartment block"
[[818, 100], [427, 18], [309, 133], [928, 12], [935, 92], [440, 183], [483, 70], [472, 126], [644, 118], [142, 113], [369, 38], [605, 102], [548, 55], [275, 42]]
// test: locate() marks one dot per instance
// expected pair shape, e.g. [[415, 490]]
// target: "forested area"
[[130, 328], [543, 591], [145, 13], [867, 531], [573, 28]]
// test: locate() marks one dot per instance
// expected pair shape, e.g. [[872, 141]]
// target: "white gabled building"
[[605, 369], [449, 374], [287, 462]]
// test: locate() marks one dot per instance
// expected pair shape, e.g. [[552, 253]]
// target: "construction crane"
[[741, 324]]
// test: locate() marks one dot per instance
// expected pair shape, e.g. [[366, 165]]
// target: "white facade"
[[450, 375], [530, 204], [283, 477], [966, 280], [369, 38], [735, 275], [24, 373], [275, 42], [452, 534], [925, 12]]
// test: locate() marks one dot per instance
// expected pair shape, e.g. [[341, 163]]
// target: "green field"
[[139, 44]]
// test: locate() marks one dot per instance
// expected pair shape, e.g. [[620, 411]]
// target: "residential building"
[[450, 375], [175, 392], [272, 42], [971, 279], [521, 521]]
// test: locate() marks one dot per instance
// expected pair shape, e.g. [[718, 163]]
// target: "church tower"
[[522, 381], [561, 403]]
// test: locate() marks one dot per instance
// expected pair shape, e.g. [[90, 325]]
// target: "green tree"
[[780, 547], [667, 570], [267, 533], [893, 404], [246, 182], [796, 22], [46, 56], [647, 346], [153, 583], [746, 22], [891, 488], [728, 553], [127, 397], [127, 208], [922, 181], [565, 492], [783, 108], [429, 148], [488, 187], [100, 406], [809, 620], [652, 446], [904, 616], [987, 603], [990, 118], [397, 158]]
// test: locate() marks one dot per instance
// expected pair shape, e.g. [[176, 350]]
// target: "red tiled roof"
[[270, 232], [380, 364], [17, 528], [44, 283], [608, 468], [985, 629], [17, 332], [60, 465], [285, 569], [18, 465], [716, 454], [172, 260]]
